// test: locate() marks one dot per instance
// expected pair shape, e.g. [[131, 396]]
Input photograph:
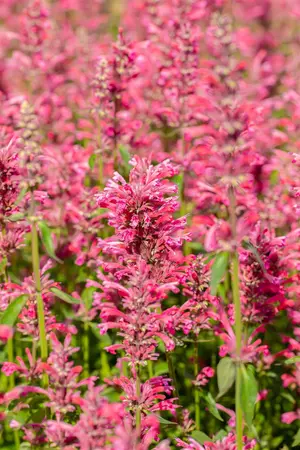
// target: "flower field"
[[149, 224]]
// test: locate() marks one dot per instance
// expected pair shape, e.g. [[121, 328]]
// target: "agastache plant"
[[149, 224]]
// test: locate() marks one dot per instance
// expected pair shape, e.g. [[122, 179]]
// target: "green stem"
[[39, 299], [100, 167], [10, 355], [171, 372], [150, 368], [86, 350], [238, 321], [196, 389], [138, 395], [173, 378], [238, 335]]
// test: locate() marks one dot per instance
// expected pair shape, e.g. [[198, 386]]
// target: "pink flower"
[[290, 417], [204, 376], [227, 443], [152, 397], [6, 332]]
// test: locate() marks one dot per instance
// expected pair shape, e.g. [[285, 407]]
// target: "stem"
[[100, 166], [173, 378], [238, 334], [33, 352], [86, 350], [196, 390], [10, 355], [100, 158], [238, 322], [150, 368], [171, 371], [138, 395], [39, 299]]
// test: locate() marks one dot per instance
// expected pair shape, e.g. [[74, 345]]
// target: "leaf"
[[249, 391], [92, 161], [288, 397], [3, 264], [196, 246], [21, 196], [220, 435], [15, 217], [65, 297], [178, 179], [20, 416], [38, 415], [13, 310], [160, 368], [212, 408], [274, 177], [47, 240], [218, 271], [126, 157], [164, 421], [293, 360], [296, 440], [226, 371], [210, 257], [87, 296], [201, 437]]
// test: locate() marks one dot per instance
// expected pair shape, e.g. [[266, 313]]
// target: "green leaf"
[[249, 391], [21, 196], [126, 157], [13, 310], [274, 177], [212, 407], [164, 421], [218, 271], [178, 179], [87, 296], [20, 416], [65, 297], [209, 258], [38, 415], [226, 371], [104, 365], [3, 264], [47, 240], [92, 160], [296, 440], [293, 360], [201, 437], [220, 435], [196, 246], [160, 368], [15, 217], [288, 397]]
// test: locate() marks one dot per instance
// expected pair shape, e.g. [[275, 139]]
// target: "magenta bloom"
[[6, 333]]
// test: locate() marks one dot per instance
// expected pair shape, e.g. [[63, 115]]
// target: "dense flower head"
[[152, 397], [227, 443], [141, 211]]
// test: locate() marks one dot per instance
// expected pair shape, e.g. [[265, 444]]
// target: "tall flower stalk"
[[237, 320], [196, 390], [39, 299], [30, 157]]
